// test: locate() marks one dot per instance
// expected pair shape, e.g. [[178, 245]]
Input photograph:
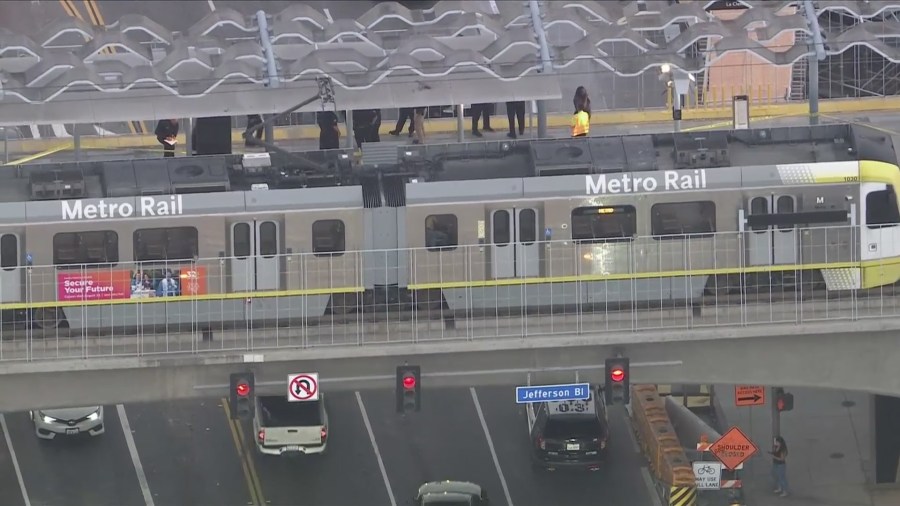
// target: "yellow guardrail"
[[659, 443]]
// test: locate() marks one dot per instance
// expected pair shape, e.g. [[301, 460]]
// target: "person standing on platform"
[[581, 120], [515, 111], [406, 113], [481, 111], [375, 130], [419, 123], [166, 133], [329, 132], [252, 121]]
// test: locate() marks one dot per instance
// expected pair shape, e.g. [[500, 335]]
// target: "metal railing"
[[314, 300]]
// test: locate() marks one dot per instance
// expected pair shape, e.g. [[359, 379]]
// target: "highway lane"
[[84, 470], [191, 457]]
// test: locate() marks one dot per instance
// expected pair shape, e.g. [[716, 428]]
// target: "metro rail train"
[[493, 225]]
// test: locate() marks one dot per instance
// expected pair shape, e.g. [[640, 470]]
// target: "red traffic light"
[[617, 374], [409, 382], [243, 389]]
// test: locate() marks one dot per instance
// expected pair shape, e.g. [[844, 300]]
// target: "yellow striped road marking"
[[246, 458]]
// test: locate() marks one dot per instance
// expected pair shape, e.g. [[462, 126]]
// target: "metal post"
[[349, 142], [546, 63], [5, 144], [812, 77], [776, 415], [189, 136], [269, 131], [460, 124], [266, 41], [76, 142]]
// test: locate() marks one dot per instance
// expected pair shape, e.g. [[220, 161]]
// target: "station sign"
[[553, 393]]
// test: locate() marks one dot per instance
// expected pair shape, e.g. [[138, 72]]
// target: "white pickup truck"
[[290, 428]]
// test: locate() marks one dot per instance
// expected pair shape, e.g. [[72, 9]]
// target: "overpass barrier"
[[658, 441], [86, 311]]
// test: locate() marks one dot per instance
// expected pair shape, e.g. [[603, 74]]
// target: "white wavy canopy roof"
[[456, 52]]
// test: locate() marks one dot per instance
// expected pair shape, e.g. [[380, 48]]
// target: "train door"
[[514, 246], [255, 263], [10, 270], [768, 243], [880, 231]]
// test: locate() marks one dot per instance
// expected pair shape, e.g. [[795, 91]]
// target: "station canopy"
[[456, 52]]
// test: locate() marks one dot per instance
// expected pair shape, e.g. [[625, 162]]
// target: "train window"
[[441, 232], [9, 251], [669, 221], [268, 239], [527, 226], [759, 206], [77, 248], [785, 205], [329, 238], [881, 208], [240, 238], [500, 227], [591, 224], [165, 244]]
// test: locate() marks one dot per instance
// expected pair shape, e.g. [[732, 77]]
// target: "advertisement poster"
[[127, 284]]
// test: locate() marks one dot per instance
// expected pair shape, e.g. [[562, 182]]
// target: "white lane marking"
[[135, 459], [645, 473], [212, 6], [328, 15], [651, 489], [384, 476], [15, 461], [490, 443]]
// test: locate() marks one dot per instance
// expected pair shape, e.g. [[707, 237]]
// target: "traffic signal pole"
[[776, 414]]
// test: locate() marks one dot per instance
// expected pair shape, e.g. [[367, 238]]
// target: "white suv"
[[49, 423]]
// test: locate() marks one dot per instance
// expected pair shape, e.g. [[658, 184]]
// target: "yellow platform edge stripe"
[[500, 122], [455, 284], [213, 297], [640, 275]]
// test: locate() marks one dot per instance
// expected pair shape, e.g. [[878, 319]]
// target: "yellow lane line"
[[237, 436]]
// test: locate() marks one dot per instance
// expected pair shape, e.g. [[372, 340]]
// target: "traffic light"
[[409, 388], [783, 401], [242, 396], [617, 381]]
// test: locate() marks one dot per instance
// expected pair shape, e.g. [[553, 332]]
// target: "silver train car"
[[513, 225]]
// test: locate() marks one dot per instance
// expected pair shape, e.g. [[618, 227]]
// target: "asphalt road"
[[190, 456]]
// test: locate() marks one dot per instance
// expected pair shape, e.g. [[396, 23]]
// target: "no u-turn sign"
[[303, 387]]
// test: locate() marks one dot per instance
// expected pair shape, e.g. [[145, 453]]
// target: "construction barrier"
[[659, 443], [729, 479], [682, 496]]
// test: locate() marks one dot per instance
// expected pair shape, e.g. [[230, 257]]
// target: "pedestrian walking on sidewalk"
[[779, 466]]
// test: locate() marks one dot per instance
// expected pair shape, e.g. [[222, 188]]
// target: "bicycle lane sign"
[[708, 475]]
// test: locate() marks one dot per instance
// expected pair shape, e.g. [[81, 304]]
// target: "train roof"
[[340, 178]]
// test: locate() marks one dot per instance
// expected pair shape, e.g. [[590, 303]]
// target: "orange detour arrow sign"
[[733, 448], [749, 395]]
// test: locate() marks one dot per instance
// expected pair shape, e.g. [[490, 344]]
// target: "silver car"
[[451, 493], [49, 423]]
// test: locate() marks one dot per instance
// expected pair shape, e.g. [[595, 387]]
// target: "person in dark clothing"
[[514, 111], [481, 111], [329, 133], [252, 121], [166, 132], [375, 131], [779, 466], [406, 113], [366, 123]]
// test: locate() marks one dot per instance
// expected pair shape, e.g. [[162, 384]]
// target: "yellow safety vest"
[[581, 124]]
